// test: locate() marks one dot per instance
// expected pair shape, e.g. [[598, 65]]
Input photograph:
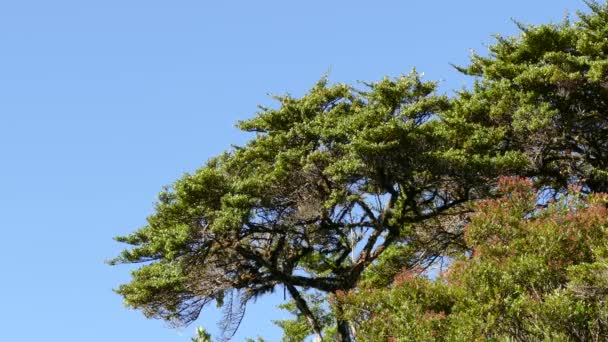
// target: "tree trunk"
[[344, 333]]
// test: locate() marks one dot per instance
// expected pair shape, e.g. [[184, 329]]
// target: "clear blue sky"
[[104, 102]]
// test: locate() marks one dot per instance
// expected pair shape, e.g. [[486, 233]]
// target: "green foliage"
[[201, 335], [545, 91], [392, 262], [258, 339], [535, 274], [298, 329], [347, 197], [330, 181]]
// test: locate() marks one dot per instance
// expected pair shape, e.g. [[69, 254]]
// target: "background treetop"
[[547, 89]]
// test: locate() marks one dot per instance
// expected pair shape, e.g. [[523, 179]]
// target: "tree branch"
[[305, 310]]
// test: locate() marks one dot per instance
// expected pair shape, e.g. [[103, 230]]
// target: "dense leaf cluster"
[[547, 91]]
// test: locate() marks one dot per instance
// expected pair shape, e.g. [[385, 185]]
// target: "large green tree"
[[330, 182], [343, 188]]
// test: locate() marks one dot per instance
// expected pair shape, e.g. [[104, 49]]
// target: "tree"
[[535, 274], [546, 89], [342, 189], [330, 182]]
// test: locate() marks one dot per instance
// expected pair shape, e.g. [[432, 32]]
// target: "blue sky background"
[[104, 102]]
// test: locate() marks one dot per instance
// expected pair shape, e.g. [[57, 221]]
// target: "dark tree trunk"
[[344, 333]]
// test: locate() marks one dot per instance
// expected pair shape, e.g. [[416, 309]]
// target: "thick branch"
[[305, 310]]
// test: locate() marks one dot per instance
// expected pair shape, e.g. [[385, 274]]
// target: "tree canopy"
[[344, 188], [330, 181]]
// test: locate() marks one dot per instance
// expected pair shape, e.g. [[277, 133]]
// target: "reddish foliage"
[[434, 315], [514, 184], [407, 275]]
